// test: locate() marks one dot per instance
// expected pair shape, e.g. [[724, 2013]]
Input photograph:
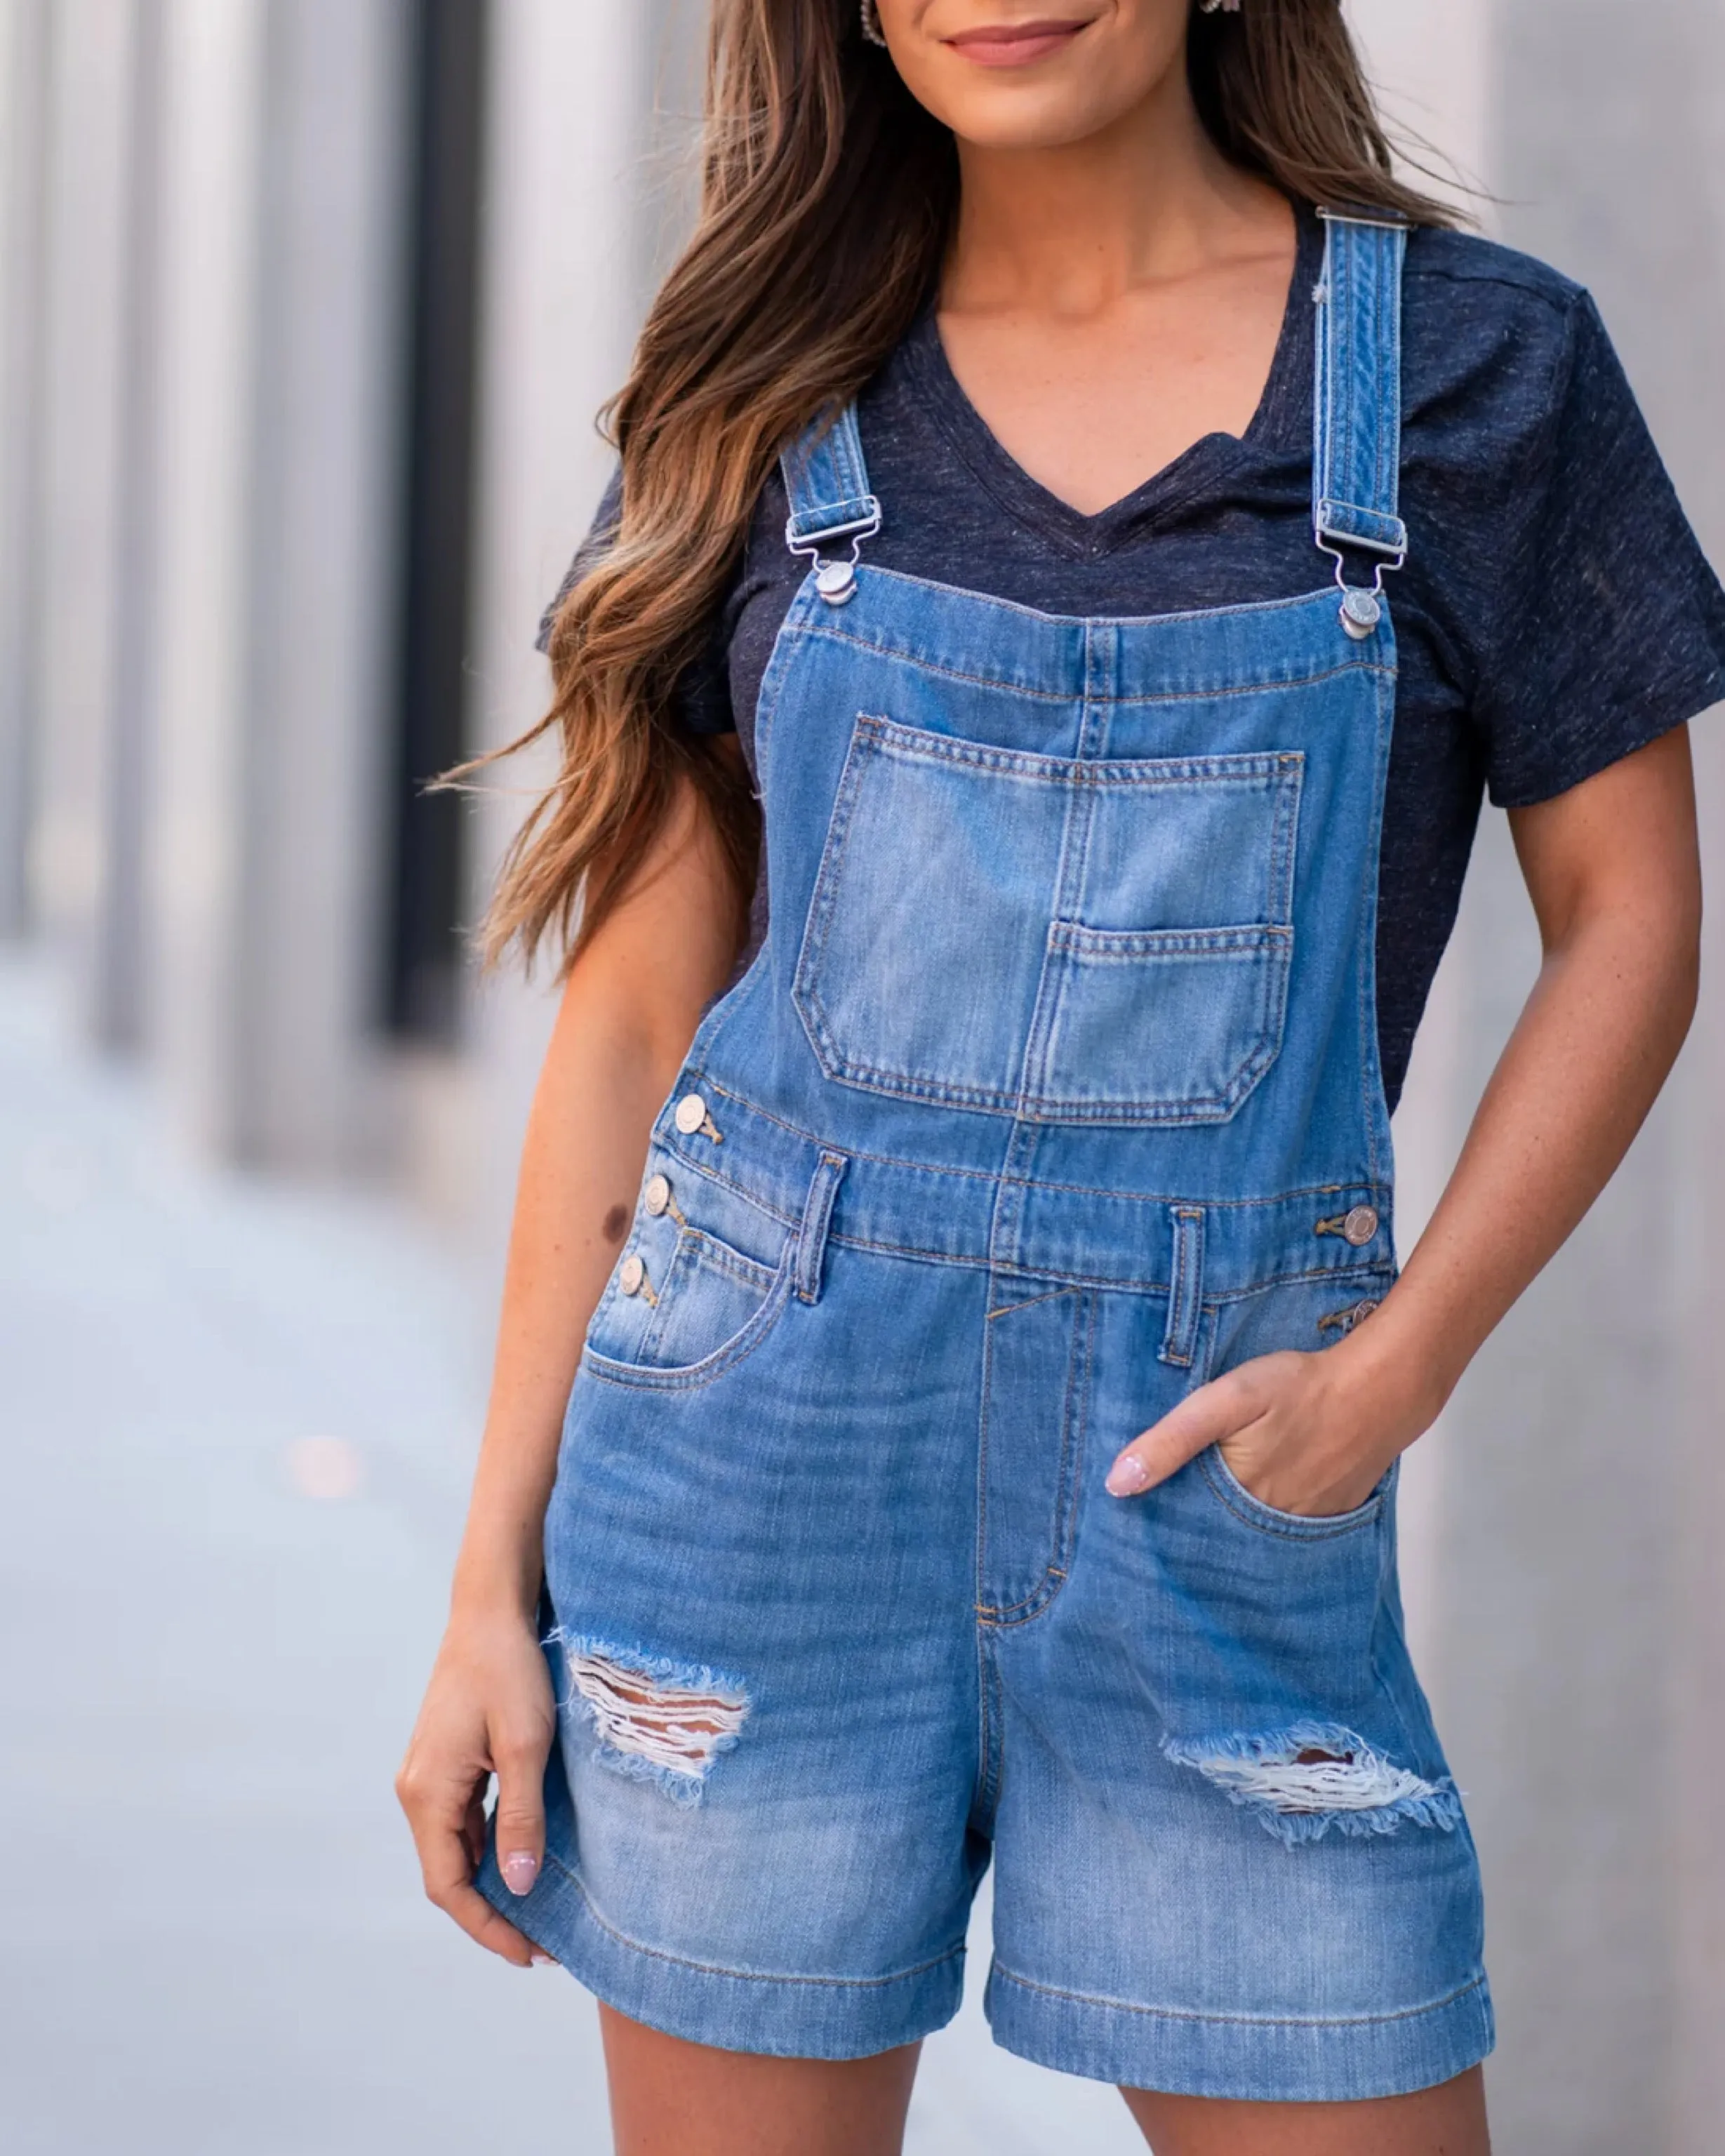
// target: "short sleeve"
[[1608, 625], [702, 697], [602, 531]]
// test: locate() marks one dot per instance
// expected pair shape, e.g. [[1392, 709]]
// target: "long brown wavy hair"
[[828, 199]]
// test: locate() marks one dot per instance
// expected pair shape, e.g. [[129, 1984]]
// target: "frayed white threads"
[[678, 1728], [1314, 1782], [1301, 1781]]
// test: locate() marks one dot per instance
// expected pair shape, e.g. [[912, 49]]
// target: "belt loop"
[[1185, 1293], [817, 1218]]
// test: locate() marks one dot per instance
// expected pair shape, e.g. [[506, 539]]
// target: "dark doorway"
[[447, 152]]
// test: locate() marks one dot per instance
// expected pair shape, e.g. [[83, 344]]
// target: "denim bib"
[[1074, 920]]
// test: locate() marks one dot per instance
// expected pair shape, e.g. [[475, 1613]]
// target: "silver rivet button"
[[1361, 613], [836, 582], [691, 1114], [658, 1195], [634, 1276], [1361, 1225]]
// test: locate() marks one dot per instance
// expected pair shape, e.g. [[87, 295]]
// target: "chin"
[[1028, 120]]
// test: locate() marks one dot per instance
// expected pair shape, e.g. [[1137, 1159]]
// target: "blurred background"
[[305, 310]]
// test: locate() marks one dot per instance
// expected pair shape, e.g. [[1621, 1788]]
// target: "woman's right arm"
[[628, 1012]]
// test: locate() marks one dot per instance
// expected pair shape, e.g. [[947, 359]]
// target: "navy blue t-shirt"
[[1555, 614]]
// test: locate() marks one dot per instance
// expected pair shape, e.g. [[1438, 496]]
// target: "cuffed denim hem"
[[1247, 2059], [781, 2017]]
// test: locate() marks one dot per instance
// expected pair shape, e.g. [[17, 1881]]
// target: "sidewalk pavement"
[[236, 1424]]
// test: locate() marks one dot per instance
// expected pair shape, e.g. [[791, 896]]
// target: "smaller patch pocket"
[[682, 1297], [709, 1293]]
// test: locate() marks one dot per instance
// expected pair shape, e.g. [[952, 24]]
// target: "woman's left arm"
[[1614, 871]]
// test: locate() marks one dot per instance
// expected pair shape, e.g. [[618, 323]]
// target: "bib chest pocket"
[[1102, 940]]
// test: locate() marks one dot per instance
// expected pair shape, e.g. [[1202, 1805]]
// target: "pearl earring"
[[1227, 7], [872, 23]]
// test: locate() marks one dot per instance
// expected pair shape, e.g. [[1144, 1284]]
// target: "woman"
[[982, 1447]]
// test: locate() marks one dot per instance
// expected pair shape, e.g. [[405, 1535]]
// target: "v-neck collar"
[[1283, 409]]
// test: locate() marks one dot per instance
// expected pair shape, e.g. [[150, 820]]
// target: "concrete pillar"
[[84, 850], [579, 219], [24, 81], [212, 186], [323, 552], [280, 390]]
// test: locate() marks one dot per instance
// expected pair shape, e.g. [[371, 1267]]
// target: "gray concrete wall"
[[80, 849], [281, 387], [24, 92], [1561, 1518]]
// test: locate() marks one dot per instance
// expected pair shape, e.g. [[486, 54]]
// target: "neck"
[[1071, 229]]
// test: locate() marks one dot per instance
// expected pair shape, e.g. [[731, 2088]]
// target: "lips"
[[1015, 44]]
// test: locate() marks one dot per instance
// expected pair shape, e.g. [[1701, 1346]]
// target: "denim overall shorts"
[[1054, 1093]]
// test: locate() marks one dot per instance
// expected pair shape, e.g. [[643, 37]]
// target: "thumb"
[[519, 1758], [1204, 1418]]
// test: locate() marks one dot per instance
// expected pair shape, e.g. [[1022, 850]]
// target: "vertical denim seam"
[[1074, 1432], [1285, 841], [1072, 877], [655, 1325], [1343, 283], [1384, 1528], [1060, 1526], [1365, 968], [1075, 828], [823, 903], [984, 1610], [999, 1777], [1074, 1420], [992, 1731], [1386, 473], [1374, 1107]]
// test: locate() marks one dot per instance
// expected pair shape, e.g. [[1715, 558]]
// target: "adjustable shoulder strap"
[[1358, 453], [826, 484]]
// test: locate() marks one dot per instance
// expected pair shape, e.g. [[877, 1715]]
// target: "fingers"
[[488, 1709], [440, 1820], [520, 1758], [1213, 1413], [452, 1890]]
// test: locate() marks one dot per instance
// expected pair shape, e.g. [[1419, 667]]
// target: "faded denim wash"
[[1054, 1092]]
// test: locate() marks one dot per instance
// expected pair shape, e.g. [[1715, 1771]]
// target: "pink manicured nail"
[[520, 1869], [544, 1961], [1127, 1476]]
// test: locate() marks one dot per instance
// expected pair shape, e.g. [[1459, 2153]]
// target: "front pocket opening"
[[1315, 1527]]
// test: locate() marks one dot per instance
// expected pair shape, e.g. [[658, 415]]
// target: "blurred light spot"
[[326, 1468], [59, 1174]]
